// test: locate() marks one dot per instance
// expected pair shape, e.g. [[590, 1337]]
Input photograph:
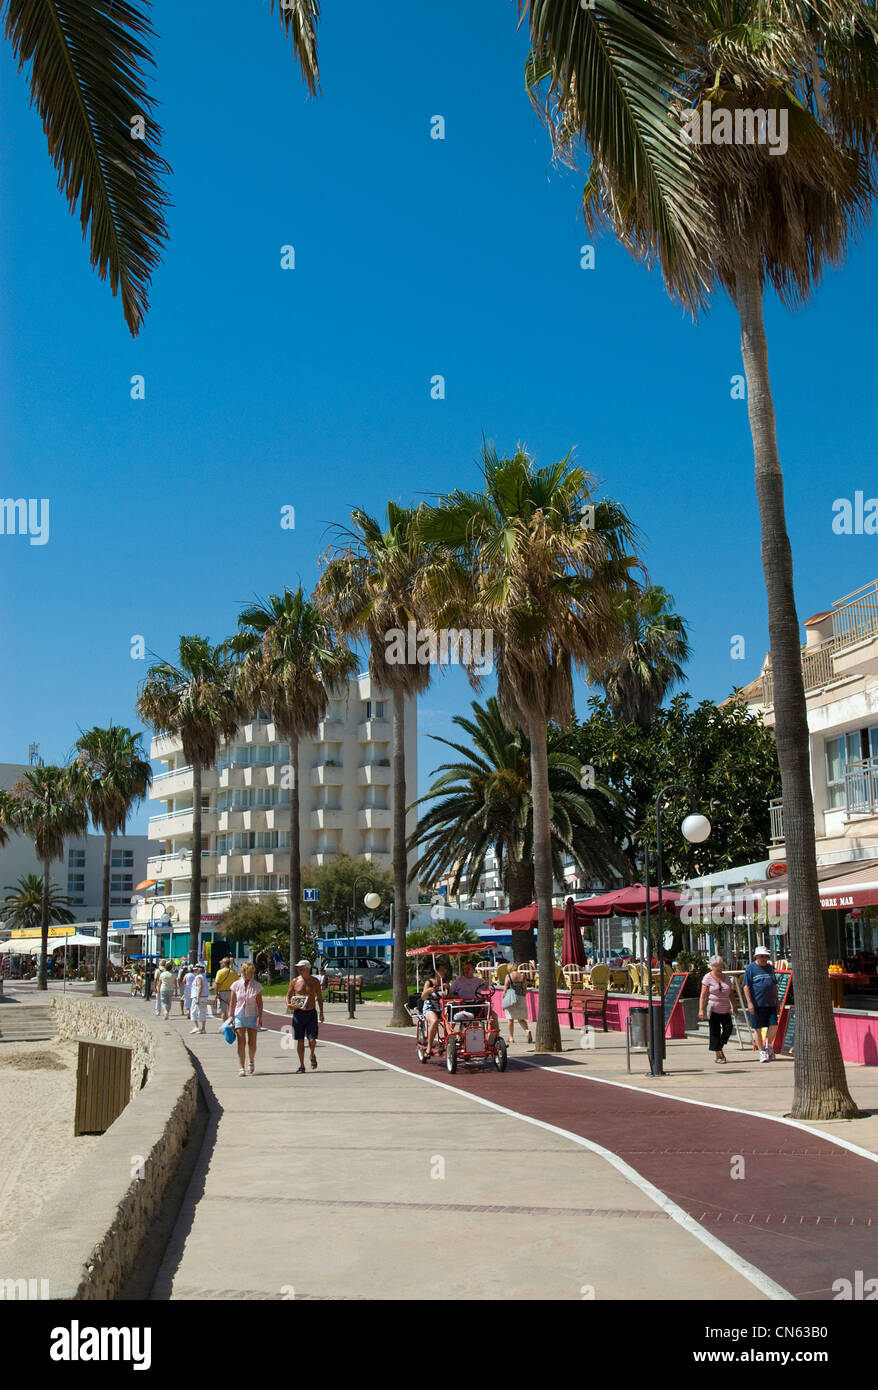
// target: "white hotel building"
[[345, 806]]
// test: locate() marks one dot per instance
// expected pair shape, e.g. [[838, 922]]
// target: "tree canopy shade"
[[484, 804], [292, 663], [534, 558], [335, 884], [115, 778], [88, 62], [654, 648], [743, 220], [725, 753], [23, 904], [48, 805]]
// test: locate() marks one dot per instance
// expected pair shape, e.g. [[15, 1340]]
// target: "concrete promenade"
[[360, 1180]]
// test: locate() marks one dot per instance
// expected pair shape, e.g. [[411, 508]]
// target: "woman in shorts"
[[246, 1013]]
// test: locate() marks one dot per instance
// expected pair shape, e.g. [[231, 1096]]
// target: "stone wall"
[[80, 1017], [86, 1238]]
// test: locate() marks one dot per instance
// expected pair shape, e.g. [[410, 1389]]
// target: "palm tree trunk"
[[44, 927], [295, 861], [195, 880], [101, 972], [520, 888], [548, 1031], [820, 1084], [399, 1018]]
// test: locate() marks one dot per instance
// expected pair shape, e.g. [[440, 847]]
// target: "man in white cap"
[[304, 998], [760, 991], [198, 1002]]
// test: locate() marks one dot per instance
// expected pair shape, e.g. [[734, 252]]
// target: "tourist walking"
[[715, 1004], [246, 1012], [760, 991], [182, 971], [305, 998], [165, 992], [156, 976], [188, 981], [514, 1001], [198, 1000], [225, 978]]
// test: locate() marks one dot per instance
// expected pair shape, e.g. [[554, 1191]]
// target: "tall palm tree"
[[368, 586], [116, 777], [548, 587], [48, 806], [620, 81], [484, 803], [23, 904], [650, 665], [6, 812], [292, 665], [199, 702], [87, 80]]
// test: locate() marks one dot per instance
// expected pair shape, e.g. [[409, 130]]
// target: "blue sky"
[[311, 387]]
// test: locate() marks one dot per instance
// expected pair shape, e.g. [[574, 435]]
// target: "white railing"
[[173, 772], [775, 811], [861, 786]]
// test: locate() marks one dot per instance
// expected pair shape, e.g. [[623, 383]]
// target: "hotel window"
[[76, 859], [840, 751], [76, 883], [122, 859]]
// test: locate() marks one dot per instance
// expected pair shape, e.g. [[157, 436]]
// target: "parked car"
[[373, 971]]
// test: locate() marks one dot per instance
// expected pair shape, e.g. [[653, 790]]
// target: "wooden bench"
[[587, 1002], [337, 989]]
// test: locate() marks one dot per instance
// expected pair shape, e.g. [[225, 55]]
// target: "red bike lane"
[[798, 1207]]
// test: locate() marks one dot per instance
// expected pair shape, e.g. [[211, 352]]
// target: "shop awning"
[[843, 886]]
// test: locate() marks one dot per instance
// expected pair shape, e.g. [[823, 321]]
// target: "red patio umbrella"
[[625, 902], [523, 918], [572, 945]]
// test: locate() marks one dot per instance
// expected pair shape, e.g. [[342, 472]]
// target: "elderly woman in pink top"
[[716, 1002], [245, 1011]]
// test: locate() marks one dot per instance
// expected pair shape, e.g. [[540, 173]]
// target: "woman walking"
[[246, 1012], [165, 988], [514, 1001], [716, 1002]]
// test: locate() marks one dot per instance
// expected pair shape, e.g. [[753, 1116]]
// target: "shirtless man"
[[305, 988]]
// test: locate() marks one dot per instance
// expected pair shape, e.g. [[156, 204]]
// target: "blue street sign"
[[312, 895]]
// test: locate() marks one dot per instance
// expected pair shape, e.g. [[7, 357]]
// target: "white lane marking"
[[681, 1100], [741, 1266]]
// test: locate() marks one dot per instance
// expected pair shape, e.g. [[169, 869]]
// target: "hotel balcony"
[[860, 797], [323, 856], [179, 780], [849, 646], [174, 825], [329, 731], [329, 818], [252, 861], [324, 775], [374, 775], [379, 857], [254, 818], [374, 731], [260, 731], [375, 818], [161, 745]]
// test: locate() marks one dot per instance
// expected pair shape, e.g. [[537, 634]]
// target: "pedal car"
[[466, 1033]]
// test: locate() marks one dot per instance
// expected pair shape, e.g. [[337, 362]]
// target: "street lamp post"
[[165, 918], [371, 900], [695, 829]]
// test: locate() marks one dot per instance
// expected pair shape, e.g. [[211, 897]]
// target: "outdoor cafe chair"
[[600, 977]]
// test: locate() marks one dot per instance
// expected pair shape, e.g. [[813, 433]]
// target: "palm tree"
[[621, 80], [484, 803], [292, 665], [199, 702], [48, 806], [116, 777], [87, 81], [548, 587], [655, 645], [24, 903], [368, 586], [7, 808]]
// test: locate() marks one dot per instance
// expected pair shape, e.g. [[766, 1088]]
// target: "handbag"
[[229, 1031], [510, 997]]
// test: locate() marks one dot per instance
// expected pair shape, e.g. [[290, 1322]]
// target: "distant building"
[[79, 875]]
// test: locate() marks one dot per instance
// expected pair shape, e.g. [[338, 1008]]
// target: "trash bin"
[[638, 1025]]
